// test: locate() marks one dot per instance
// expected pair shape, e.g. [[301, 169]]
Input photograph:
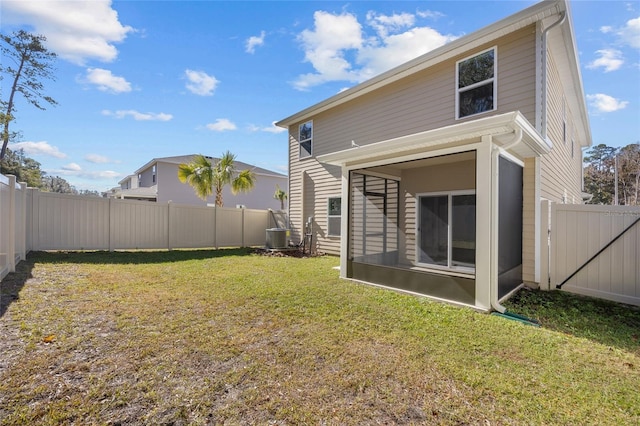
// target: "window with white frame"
[[334, 215], [476, 88], [446, 230], [305, 139]]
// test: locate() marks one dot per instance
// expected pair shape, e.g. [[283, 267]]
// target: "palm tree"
[[205, 178], [281, 196]]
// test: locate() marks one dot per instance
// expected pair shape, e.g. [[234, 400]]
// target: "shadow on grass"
[[608, 323], [134, 257], [11, 285]]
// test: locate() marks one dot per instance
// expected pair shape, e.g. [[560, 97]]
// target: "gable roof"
[[545, 11], [180, 159]]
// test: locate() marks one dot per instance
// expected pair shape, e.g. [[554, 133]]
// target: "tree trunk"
[[7, 117]]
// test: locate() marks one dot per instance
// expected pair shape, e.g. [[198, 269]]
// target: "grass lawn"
[[231, 337]]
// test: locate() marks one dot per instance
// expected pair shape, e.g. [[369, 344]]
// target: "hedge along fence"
[[34, 220]]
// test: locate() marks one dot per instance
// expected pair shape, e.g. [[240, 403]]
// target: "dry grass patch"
[[229, 337]]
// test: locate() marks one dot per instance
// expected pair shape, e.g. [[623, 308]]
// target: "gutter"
[[545, 86]]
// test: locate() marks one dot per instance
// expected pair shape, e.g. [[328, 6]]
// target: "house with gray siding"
[[158, 181], [428, 178]]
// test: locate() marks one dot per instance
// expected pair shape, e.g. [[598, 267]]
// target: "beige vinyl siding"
[[419, 102], [529, 202], [560, 174], [310, 186], [426, 100]]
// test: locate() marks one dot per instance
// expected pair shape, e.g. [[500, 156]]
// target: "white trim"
[[344, 223], [449, 267], [511, 157], [493, 80]]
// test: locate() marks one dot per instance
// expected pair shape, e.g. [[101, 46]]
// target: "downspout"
[[495, 153], [545, 86]]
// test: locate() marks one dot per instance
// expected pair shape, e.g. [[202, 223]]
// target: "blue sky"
[[137, 80]]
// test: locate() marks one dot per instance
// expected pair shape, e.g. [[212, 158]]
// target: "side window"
[[334, 216], [305, 138], [476, 84]]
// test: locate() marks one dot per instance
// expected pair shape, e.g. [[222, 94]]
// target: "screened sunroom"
[[439, 213]]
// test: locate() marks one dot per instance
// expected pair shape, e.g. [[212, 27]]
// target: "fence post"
[[23, 221], [169, 208], [35, 220], [215, 227], [544, 245], [111, 224], [11, 249], [243, 225]]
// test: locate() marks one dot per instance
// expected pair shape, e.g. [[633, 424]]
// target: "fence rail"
[[576, 234], [32, 220]]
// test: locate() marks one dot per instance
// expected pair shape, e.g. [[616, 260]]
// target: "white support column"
[[484, 228], [344, 223]]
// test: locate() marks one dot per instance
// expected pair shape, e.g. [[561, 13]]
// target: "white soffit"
[[501, 127]]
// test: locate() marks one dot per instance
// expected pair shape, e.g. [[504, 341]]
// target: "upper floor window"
[[476, 84], [564, 120], [305, 138], [153, 177]]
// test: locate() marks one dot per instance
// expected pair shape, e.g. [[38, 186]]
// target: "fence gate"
[[593, 250]]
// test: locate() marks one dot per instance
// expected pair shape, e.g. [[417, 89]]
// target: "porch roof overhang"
[[503, 128]]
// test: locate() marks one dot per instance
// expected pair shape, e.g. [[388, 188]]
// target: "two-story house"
[[158, 181], [428, 178]]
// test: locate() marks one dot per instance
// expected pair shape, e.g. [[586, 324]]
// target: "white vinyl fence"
[[13, 219], [34, 220], [582, 236]]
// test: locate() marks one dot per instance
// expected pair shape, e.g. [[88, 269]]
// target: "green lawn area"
[[232, 337]]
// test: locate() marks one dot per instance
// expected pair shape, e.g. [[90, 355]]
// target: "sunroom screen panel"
[[373, 220]]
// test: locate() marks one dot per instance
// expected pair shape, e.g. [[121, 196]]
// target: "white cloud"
[[269, 129], [429, 14], [38, 148], [385, 24], [630, 33], [96, 158], [339, 49], [200, 83], [138, 116], [605, 29], [72, 167], [76, 30], [106, 81], [254, 41], [325, 48], [609, 60], [400, 48], [221, 125], [606, 103]]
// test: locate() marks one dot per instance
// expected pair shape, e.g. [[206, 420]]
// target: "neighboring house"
[[130, 190], [158, 181], [428, 178]]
